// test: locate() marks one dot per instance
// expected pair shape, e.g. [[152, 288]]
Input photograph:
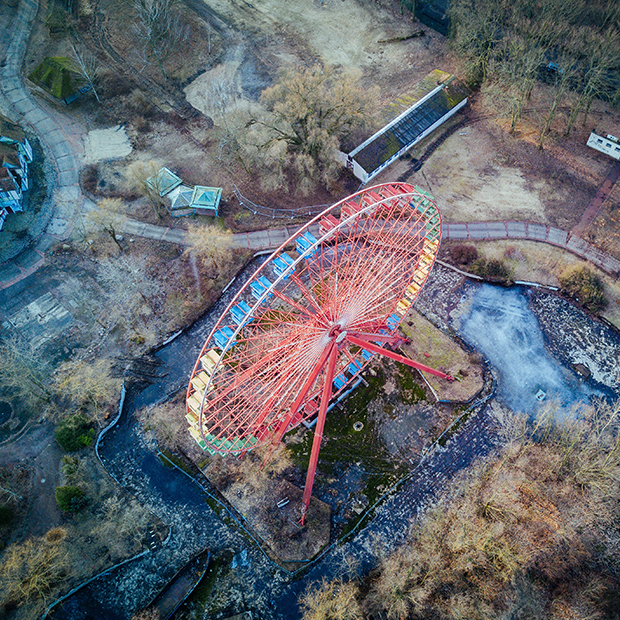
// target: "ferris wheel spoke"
[[281, 296], [395, 356], [301, 396], [308, 296]]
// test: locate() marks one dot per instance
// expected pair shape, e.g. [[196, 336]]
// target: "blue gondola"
[[240, 313], [222, 336], [281, 264], [354, 367], [304, 242], [258, 287], [392, 321], [340, 381]]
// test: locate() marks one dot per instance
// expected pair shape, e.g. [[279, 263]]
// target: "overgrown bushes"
[[31, 570], [492, 269], [463, 254], [585, 285], [75, 432], [70, 499]]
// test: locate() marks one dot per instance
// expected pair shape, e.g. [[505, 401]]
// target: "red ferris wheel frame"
[[313, 327]]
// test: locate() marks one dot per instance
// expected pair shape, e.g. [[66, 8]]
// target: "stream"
[[497, 322]]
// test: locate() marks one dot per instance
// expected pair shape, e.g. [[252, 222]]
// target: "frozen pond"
[[501, 326]]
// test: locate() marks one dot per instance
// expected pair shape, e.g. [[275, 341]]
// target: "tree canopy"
[[309, 111]]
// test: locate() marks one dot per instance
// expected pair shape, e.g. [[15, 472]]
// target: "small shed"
[[164, 181], [60, 76], [206, 199]]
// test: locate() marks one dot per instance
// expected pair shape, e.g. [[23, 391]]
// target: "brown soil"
[[279, 527]]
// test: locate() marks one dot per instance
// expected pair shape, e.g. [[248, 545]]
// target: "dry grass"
[[331, 600], [32, 570], [531, 529], [604, 231], [432, 347], [167, 422]]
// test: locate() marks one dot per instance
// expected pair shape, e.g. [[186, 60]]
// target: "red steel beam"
[[301, 396], [392, 339], [318, 431], [395, 356]]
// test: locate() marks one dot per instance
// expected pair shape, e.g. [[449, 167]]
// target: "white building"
[[15, 155], [437, 97], [610, 145]]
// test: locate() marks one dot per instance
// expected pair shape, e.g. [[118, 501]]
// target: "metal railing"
[[278, 212]]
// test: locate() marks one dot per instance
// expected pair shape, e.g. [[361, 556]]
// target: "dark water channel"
[[498, 322]]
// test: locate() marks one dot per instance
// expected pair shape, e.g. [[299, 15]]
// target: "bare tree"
[[310, 112], [160, 30], [166, 421], [109, 215], [89, 67], [132, 296], [121, 522], [331, 599], [33, 568], [563, 75], [87, 383], [24, 372], [212, 246], [138, 174], [218, 96], [475, 30]]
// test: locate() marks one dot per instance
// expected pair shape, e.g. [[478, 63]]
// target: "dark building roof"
[[58, 75], [410, 126], [9, 157], [8, 182], [11, 130]]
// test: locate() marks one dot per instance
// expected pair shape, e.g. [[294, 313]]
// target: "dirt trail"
[[599, 199]]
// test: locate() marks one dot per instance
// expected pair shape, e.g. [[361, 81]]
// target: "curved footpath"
[[17, 103]]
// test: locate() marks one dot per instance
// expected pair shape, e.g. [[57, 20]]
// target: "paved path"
[[488, 231], [19, 105], [475, 231], [258, 240]]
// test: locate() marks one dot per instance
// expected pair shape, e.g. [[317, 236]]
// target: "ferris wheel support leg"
[[399, 358], [277, 438], [318, 430]]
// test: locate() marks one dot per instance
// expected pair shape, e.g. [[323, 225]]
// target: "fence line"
[[277, 212]]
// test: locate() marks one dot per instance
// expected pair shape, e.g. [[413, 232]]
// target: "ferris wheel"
[[296, 337]]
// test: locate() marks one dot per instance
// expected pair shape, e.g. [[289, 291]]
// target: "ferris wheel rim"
[[332, 233]]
